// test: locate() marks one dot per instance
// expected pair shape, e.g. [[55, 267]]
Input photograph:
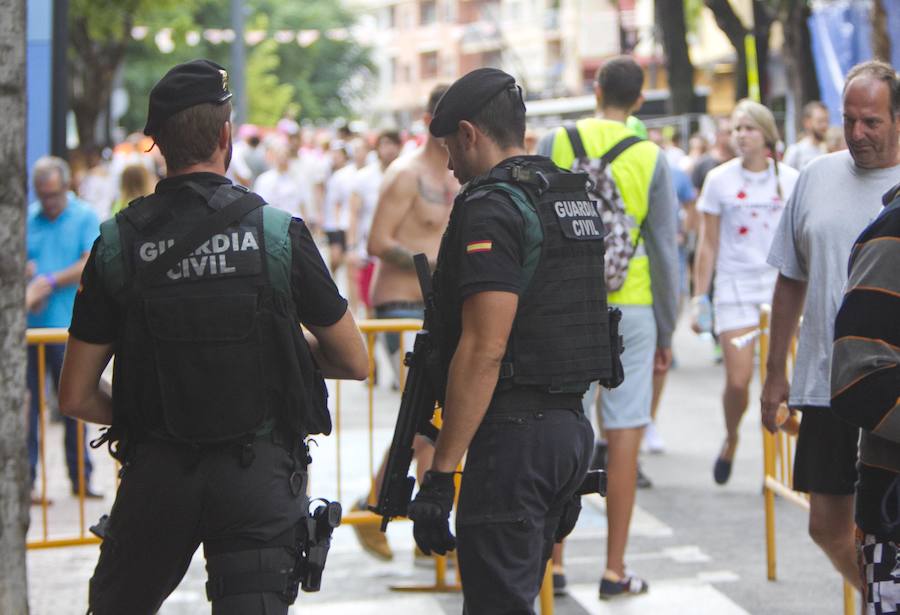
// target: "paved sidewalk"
[[700, 546]]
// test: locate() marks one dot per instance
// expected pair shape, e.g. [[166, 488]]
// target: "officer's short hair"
[[436, 93], [621, 80], [47, 166], [503, 119], [882, 71], [191, 135]]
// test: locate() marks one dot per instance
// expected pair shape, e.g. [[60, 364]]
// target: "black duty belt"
[[529, 398]]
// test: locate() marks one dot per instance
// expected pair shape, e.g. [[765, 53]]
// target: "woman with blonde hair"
[[740, 205], [135, 181]]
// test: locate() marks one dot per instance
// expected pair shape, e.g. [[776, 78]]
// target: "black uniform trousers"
[[522, 467], [171, 499]]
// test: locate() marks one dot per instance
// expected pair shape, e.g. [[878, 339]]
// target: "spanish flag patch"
[[479, 246]]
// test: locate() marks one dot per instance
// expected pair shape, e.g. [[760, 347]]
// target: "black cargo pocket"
[[209, 364]]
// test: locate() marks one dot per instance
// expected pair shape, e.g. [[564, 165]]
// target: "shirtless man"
[[412, 212], [411, 215]]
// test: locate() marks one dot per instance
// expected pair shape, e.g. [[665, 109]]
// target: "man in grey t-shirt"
[[835, 198], [812, 145]]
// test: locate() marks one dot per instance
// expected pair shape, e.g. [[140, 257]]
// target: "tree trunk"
[[881, 40], [731, 25], [92, 69], [762, 28], [14, 507], [670, 17], [798, 58]]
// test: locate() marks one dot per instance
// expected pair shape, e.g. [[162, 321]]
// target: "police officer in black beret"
[[520, 289], [199, 289]]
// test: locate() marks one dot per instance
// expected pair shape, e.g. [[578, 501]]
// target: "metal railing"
[[334, 489], [778, 461]]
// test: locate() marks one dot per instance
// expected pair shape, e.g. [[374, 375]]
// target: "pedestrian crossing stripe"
[[479, 246]]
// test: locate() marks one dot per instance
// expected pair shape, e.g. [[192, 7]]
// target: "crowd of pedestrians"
[[732, 224]]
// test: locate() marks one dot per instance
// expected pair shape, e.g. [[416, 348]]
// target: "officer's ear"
[[225, 135], [467, 133]]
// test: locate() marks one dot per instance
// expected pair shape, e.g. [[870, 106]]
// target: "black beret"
[[467, 96], [186, 85]]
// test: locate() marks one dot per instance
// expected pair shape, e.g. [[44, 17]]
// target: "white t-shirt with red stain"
[[749, 207]]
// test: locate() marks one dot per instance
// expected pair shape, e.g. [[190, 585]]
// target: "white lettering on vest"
[[209, 259]]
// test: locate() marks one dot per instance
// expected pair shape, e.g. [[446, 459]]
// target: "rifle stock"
[[417, 407]]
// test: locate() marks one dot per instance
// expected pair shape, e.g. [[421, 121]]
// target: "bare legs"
[[831, 526], [738, 373]]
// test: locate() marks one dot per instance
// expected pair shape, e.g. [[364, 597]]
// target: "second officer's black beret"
[[467, 96], [186, 85]]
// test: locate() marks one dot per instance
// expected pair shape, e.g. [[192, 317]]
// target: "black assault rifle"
[[416, 408]]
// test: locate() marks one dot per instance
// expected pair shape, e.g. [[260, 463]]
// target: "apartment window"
[[427, 12], [391, 17], [428, 65]]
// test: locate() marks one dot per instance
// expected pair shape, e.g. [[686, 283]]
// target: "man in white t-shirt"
[[335, 214], [363, 199], [812, 145], [836, 197], [281, 188]]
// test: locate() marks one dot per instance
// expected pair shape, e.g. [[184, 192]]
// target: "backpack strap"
[[613, 152], [575, 140], [619, 147], [279, 252]]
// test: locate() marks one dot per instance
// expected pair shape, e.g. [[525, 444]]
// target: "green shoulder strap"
[[109, 261], [276, 223], [534, 232]]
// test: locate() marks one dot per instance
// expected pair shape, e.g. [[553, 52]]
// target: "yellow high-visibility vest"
[[633, 171]]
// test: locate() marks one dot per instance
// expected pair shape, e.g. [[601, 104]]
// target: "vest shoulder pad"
[[276, 226], [534, 231], [109, 259]]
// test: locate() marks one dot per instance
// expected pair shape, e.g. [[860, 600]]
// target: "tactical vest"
[[209, 350], [560, 340]]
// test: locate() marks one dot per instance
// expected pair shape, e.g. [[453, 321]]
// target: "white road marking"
[[672, 596]]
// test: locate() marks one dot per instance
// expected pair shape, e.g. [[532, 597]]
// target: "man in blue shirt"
[[60, 231]]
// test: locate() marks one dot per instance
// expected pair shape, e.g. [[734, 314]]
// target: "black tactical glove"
[[430, 512]]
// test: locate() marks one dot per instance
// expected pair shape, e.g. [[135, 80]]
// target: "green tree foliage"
[[99, 33], [267, 98], [280, 76]]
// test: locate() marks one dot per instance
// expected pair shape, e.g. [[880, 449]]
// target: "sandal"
[[722, 471], [625, 586]]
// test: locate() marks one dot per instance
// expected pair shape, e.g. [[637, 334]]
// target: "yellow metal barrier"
[[370, 329], [778, 465]]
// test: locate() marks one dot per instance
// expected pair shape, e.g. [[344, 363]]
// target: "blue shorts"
[[628, 405], [400, 309]]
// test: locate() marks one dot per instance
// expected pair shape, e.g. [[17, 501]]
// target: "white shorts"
[[737, 299]]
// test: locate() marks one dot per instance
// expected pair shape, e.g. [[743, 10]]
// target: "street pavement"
[[700, 546]]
